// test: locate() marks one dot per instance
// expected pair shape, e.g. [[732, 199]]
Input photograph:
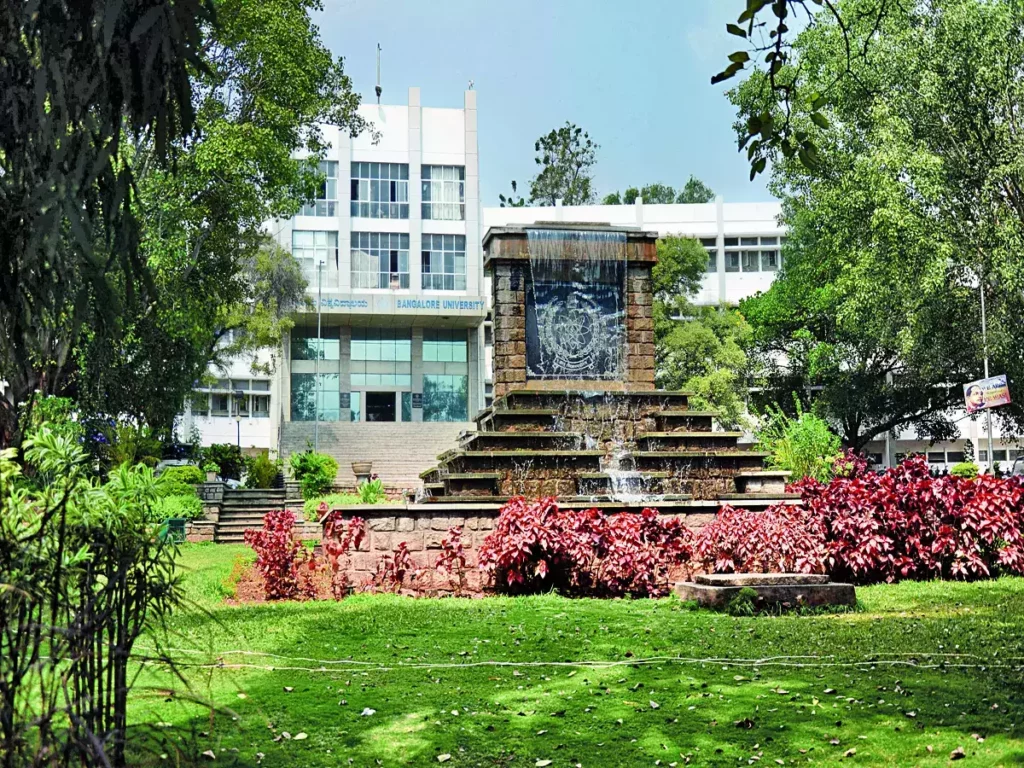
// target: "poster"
[[986, 393]]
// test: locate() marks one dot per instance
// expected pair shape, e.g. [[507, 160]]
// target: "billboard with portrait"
[[986, 393]]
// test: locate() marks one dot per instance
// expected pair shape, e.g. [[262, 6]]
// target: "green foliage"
[[743, 603], [85, 574], [187, 506], [211, 466], [372, 491], [75, 112], [126, 442], [58, 414], [906, 212], [697, 348], [803, 445], [566, 157], [261, 471], [228, 458], [310, 507], [189, 474], [514, 200], [965, 469], [694, 191], [315, 472]]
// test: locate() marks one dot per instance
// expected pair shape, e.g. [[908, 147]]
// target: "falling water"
[[576, 304]]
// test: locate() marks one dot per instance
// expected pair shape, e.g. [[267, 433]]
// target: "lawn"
[[919, 670]]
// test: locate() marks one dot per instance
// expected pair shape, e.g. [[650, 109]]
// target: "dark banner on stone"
[[575, 330]]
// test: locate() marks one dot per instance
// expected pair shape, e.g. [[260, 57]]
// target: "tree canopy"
[[694, 191], [913, 205], [566, 157]]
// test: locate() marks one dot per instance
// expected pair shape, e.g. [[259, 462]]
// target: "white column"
[[415, 192], [720, 223], [474, 257]]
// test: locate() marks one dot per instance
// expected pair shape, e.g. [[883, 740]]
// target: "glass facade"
[[312, 247], [381, 357], [710, 245], [443, 262], [306, 346], [444, 192], [445, 398], [304, 396], [444, 346], [380, 260], [327, 198], [380, 190], [753, 254]]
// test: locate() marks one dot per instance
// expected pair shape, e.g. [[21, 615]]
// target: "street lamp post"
[[984, 346], [238, 418], [319, 348]]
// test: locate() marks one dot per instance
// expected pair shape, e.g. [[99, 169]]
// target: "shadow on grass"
[[634, 713]]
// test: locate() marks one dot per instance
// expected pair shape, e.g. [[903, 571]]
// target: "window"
[[381, 357], [445, 398], [936, 457], [304, 395], [240, 404], [955, 457], [380, 190], [711, 247], [443, 346], [407, 406], [444, 262], [327, 198], [444, 192], [752, 254], [354, 410], [380, 260], [261, 406], [260, 385], [306, 346], [875, 459], [998, 453], [312, 247], [221, 405], [200, 403]]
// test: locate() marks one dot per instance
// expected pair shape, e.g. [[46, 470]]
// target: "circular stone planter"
[[362, 470]]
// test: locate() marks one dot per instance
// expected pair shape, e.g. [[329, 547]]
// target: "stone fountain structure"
[[576, 411]]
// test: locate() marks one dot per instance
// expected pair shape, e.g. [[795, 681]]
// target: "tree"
[[266, 82], [783, 88], [914, 203], [697, 348], [695, 191], [514, 200], [81, 85], [566, 156]]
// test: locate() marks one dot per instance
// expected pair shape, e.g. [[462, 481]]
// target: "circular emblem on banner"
[[571, 333]]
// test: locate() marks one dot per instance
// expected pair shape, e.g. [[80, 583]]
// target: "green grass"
[[859, 679]]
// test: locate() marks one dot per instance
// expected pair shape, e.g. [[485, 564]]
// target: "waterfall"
[[576, 304]]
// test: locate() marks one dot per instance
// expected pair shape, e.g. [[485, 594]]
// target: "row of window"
[[745, 254], [239, 385], [382, 345], [381, 191], [444, 398], [223, 404], [381, 259]]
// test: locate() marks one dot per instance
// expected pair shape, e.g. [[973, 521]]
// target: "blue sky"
[[636, 75]]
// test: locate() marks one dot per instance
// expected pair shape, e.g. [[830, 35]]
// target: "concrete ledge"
[[759, 579], [770, 595]]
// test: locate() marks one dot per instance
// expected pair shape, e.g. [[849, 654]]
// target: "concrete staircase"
[[244, 509], [399, 451]]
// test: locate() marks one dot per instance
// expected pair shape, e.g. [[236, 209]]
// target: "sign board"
[[986, 393], [344, 400], [417, 399], [389, 304]]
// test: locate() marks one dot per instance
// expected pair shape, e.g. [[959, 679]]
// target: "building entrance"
[[380, 406]]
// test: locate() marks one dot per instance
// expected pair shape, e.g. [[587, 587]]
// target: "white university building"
[[392, 254]]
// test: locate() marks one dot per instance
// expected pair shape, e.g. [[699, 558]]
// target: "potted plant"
[[212, 470], [362, 470]]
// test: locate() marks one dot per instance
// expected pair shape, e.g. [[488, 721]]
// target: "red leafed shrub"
[[452, 559], [338, 540], [850, 464], [537, 547], [906, 524], [780, 539], [392, 569], [286, 566]]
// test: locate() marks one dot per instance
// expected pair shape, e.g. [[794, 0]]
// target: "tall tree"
[[697, 348], [695, 191], [912, 207], [566, 157], [81, 85]]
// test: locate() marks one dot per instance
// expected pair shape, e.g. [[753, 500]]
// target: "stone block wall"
[[509, 301]]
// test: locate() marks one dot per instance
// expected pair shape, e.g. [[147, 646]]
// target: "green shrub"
[[965, 469], [228, 457], [743, 603], [189, 506], [211, 466], [260, 471], [187, 473], [315, 472], [310, 507], [372, 491], [804, 446]]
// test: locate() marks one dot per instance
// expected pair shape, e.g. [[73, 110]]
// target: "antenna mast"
[[378, 88]]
